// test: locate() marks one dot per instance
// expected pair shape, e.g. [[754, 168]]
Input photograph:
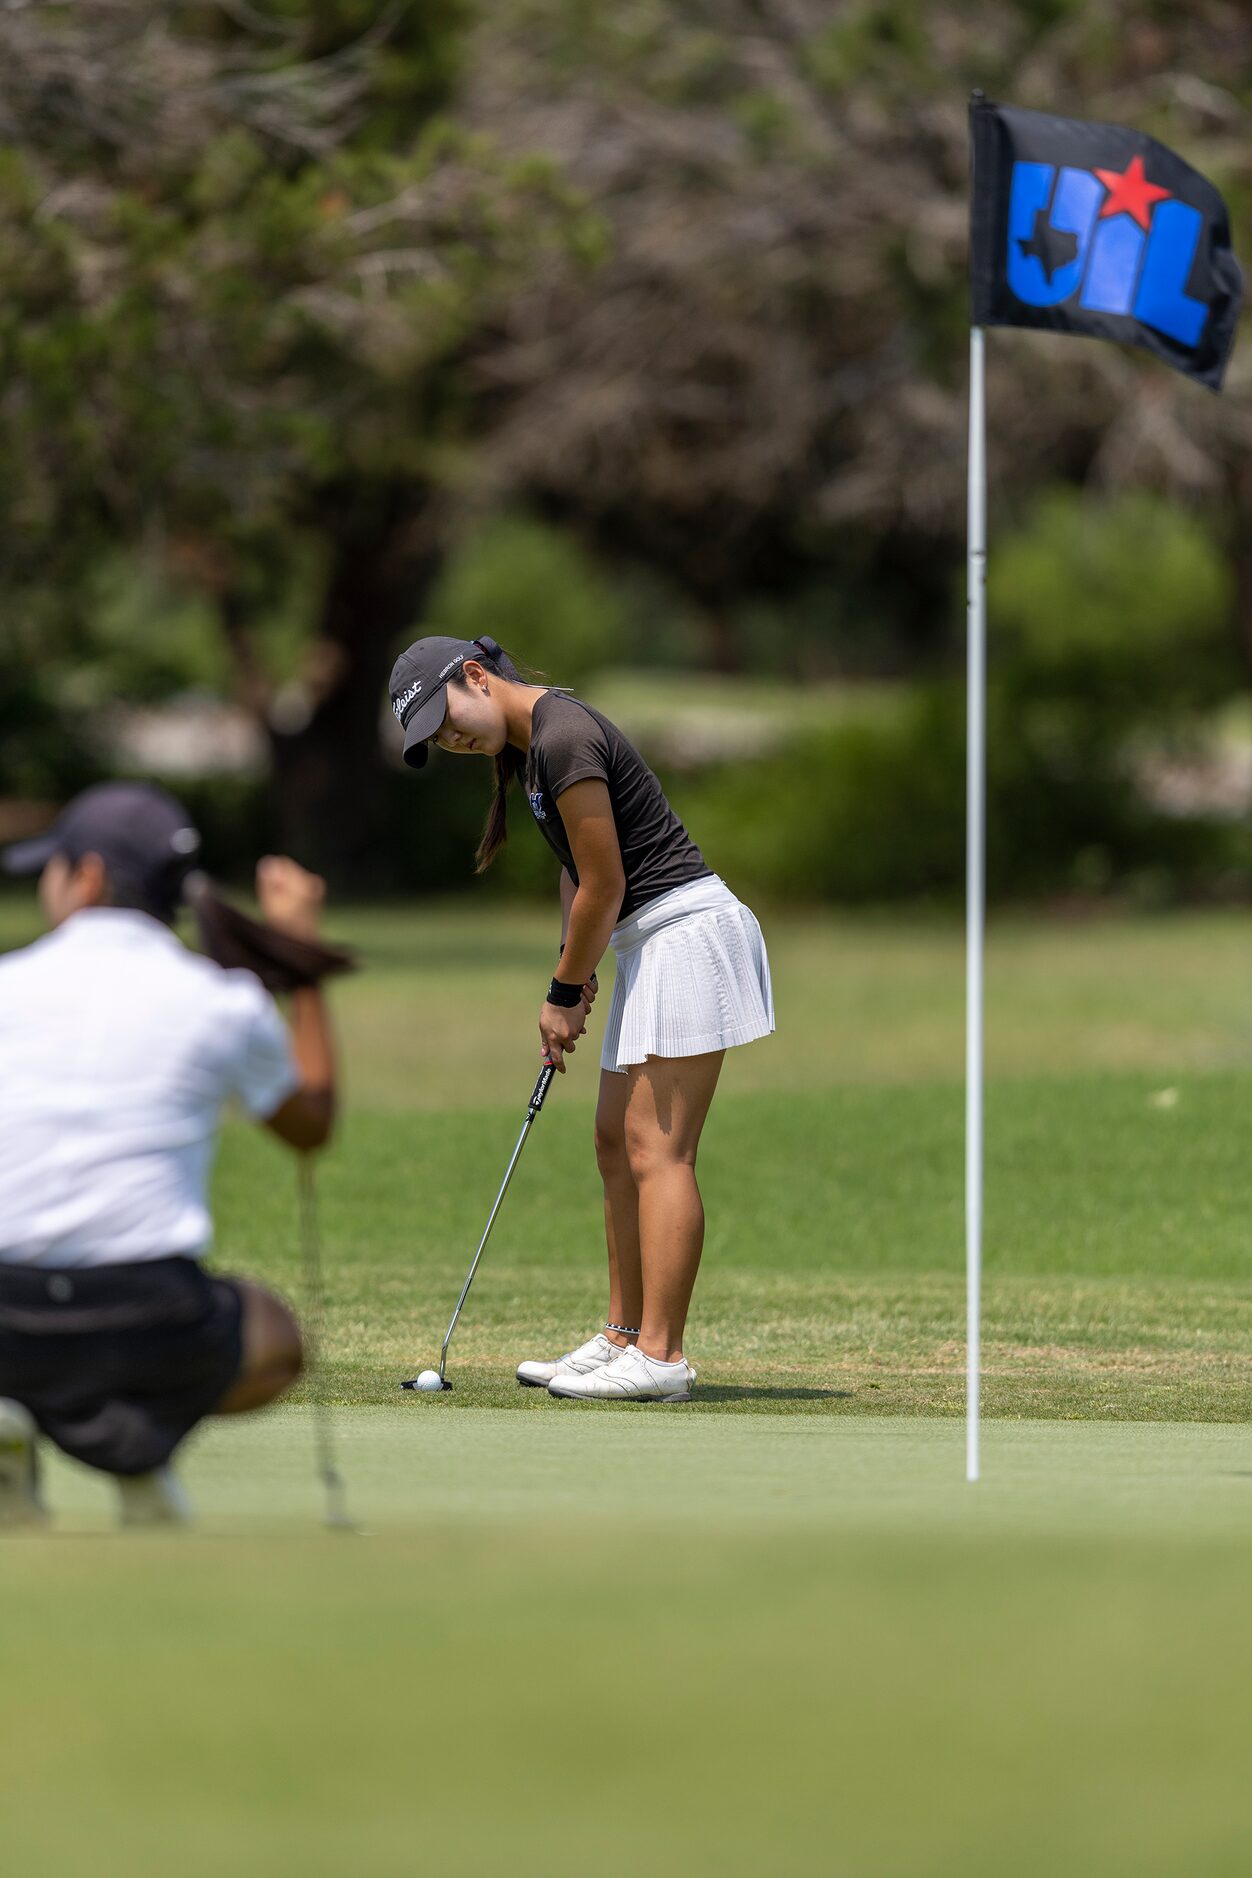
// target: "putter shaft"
[[536, 1103], [336, 1516]]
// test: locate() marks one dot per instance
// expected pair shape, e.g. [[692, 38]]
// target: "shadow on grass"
[[472, 1390], [735, 1392]]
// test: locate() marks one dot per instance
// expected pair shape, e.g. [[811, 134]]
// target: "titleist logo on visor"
[[401, 705]]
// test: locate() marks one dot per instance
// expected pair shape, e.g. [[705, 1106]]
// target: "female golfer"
[[692, 981]]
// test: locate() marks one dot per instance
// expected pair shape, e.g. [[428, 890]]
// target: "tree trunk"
[[330, 778]]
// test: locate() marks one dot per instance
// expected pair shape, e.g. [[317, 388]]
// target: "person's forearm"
[[313, 1042], [592, 917], [568, 890]]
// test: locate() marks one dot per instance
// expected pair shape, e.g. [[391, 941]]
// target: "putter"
[[337, 1516], [536, 1103]]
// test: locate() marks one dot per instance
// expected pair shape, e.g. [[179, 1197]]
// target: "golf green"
[[738, 1643]]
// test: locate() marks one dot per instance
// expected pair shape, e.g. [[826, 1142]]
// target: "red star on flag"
[[1130, 192]]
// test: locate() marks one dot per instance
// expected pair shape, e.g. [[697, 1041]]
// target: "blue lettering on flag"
[[1054, 251], [1073, 212], [1115, 255], [1162, 300]]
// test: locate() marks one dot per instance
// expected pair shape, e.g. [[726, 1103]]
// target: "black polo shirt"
[[569, 743]]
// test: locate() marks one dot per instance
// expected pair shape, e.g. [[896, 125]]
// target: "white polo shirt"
[[118, 1048]]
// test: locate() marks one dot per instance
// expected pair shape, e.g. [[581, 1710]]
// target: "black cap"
[[419, 687], [144, 837]]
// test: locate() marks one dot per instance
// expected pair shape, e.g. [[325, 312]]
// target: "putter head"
[[336, 1517]]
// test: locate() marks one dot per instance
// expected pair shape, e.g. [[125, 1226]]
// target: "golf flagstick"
[[537, 1099], [1068, 234], [975, 889]]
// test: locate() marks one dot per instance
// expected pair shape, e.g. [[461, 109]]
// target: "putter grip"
[[542, 1087]]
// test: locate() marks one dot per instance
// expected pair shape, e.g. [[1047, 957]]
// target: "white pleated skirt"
[[692, 976]]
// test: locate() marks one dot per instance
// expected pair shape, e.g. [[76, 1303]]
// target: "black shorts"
[[117, 1363]]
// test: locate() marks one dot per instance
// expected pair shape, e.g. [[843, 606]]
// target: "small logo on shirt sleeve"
[[536, 806]]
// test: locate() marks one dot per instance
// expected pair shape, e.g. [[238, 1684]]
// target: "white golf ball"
[[429, 1379]]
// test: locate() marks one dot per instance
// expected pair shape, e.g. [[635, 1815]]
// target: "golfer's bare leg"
[[665, 1113], [272, 1353], [621, 1205]]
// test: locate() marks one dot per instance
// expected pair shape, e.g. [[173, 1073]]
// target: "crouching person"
[[118, 1049]]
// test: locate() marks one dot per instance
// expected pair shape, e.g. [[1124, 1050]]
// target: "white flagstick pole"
[[976, 788]]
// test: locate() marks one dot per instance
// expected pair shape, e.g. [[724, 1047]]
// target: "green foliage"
[[874, 810], [879, 42], [867, 810], [287, 288], [536, 591], [147, 638], [43, 757], [1111, 632], [1120, 606], [271, 307]]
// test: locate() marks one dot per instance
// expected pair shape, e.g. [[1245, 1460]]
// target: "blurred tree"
[[288, 292], [1117, 605], [535, 589], [766, 381], [246, 254]]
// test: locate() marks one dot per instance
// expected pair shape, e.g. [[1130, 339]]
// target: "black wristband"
[[566, 996]]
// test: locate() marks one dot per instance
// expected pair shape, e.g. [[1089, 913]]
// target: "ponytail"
[[509, 766], [510, 763]]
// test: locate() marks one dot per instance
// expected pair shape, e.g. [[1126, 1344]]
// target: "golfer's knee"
[[611, 1156], [648, 1157]]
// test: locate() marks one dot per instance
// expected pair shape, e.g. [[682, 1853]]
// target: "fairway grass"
[[771, 1631], [443, 1014], [803, 1647], [1117, 1273], [1118, 1193]]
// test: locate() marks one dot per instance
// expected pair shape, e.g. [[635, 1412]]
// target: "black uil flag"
[[1100, 231]]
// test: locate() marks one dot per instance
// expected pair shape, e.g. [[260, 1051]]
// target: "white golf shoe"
[[20, 1504], [579, 1362], [155, 1499], [630, 1377]]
